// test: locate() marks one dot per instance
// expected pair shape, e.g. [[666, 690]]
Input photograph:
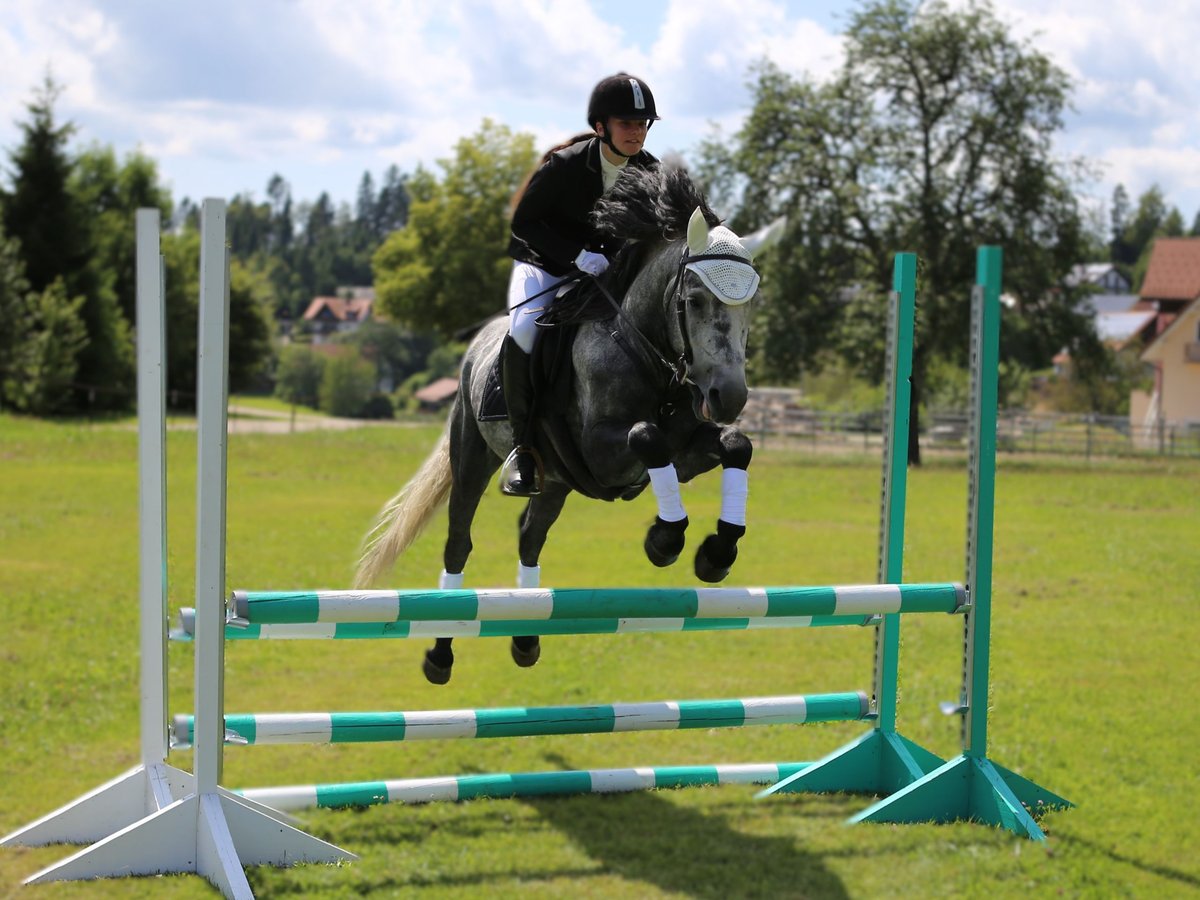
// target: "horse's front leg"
[[716, 555], [665, 538]]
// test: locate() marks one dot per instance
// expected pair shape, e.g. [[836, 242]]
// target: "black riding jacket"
[[550, 224]]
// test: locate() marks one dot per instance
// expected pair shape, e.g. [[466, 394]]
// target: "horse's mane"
[[648, 204], [644, 208]]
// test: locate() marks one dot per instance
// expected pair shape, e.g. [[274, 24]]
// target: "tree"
[[108, 194], [346, 385], [935, 136], [449, 266], [1153, 219], [298, 377], [44, 366], [391, 207], [48, 219], [1120, 253], [396, 352], [40, 337], [249, 333]]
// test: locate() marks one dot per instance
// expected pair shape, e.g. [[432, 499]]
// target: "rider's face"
[[627, 134]]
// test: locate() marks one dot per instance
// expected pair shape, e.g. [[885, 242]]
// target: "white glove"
[[592, 263]]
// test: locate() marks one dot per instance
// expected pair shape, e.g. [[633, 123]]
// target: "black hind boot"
[[522, 474]]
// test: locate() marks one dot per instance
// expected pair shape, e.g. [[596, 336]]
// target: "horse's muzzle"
[[721, 402]]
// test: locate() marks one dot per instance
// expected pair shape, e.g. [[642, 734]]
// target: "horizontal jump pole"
[[527, 784], [502, 627], [541, 604], [668, 715]]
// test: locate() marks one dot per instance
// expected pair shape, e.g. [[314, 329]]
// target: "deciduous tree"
[[935, 136], [448, 267]]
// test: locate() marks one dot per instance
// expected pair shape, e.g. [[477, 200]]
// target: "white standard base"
[[124, 800], [213, 835]]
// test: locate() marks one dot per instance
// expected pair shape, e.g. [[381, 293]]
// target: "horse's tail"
[[405, 516]]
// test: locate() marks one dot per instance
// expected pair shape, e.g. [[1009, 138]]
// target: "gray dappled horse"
[[625, 416]]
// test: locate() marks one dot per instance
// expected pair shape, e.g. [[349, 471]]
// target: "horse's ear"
[[697, 235]]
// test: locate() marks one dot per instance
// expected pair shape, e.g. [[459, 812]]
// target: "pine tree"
[[51, 225]]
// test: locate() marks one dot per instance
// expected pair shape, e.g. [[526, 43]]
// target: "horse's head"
[[711, 298]]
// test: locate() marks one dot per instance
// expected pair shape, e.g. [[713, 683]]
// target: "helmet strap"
[[606, 138]]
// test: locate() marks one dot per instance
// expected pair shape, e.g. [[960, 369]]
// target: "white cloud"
[[233, 91]]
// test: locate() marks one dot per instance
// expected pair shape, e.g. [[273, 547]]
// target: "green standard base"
[[876, 763], [973, 789]]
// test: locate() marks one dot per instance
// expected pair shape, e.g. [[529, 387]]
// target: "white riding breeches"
[[528, 281]]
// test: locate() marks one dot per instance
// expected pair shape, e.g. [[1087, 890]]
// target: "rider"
[[553, 239]]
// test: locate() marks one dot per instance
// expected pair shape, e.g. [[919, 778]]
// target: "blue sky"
[[226, 93]]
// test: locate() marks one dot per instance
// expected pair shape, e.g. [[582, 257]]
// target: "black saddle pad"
[[551, 355]]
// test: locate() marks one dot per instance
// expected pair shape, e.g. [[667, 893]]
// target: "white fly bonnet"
[[734, 282]]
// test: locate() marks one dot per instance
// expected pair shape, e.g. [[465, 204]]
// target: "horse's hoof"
[[528, 656], [714, 559], [434, 673], [664, 541]]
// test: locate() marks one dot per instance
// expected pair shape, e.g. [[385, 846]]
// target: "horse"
[[649, 394]]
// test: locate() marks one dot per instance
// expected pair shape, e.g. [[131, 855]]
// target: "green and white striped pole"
[[539, 604], [527, 784], [459, 628], [668, 715]]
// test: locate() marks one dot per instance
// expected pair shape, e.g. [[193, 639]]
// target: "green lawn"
[[1094, 691]]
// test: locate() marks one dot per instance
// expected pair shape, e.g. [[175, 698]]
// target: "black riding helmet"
[[620, 96]]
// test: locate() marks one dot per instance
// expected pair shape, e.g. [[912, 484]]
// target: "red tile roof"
[[439, 391], [1174, 270], [354, 310]]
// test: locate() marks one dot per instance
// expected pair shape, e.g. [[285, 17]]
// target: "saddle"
[[553, 378]]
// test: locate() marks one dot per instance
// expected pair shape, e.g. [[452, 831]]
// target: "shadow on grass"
[[1180, 878], [645, 837]]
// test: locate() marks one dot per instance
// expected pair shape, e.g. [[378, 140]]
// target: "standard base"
[[973, 789], [876, 763], [213, 835], [124, 800]]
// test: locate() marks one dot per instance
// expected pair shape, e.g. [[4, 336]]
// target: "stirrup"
[[518, 483]]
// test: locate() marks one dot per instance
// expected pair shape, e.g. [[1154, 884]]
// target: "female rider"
[[552, 239]]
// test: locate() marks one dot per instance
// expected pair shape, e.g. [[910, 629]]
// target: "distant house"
[[1103, 277], [346, 312], [1101, 304], [437, 395], [1170, 296]]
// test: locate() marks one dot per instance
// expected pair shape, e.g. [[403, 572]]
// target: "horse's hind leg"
[[473, 465], [540, 513]]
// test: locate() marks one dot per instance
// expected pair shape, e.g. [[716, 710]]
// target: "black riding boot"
[[521, 474]]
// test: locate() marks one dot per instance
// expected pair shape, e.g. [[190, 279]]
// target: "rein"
[[647, 352], [678, 371]]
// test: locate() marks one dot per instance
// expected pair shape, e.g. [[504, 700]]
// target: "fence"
[[774, 417]]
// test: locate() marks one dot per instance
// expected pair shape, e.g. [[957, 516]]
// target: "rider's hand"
[[592, 263]]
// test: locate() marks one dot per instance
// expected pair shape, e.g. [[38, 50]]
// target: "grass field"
[[1094, 686]]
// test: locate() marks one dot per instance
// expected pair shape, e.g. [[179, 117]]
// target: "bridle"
[[679, 372]]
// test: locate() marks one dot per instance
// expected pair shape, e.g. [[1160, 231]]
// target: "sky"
[[226, 93]]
